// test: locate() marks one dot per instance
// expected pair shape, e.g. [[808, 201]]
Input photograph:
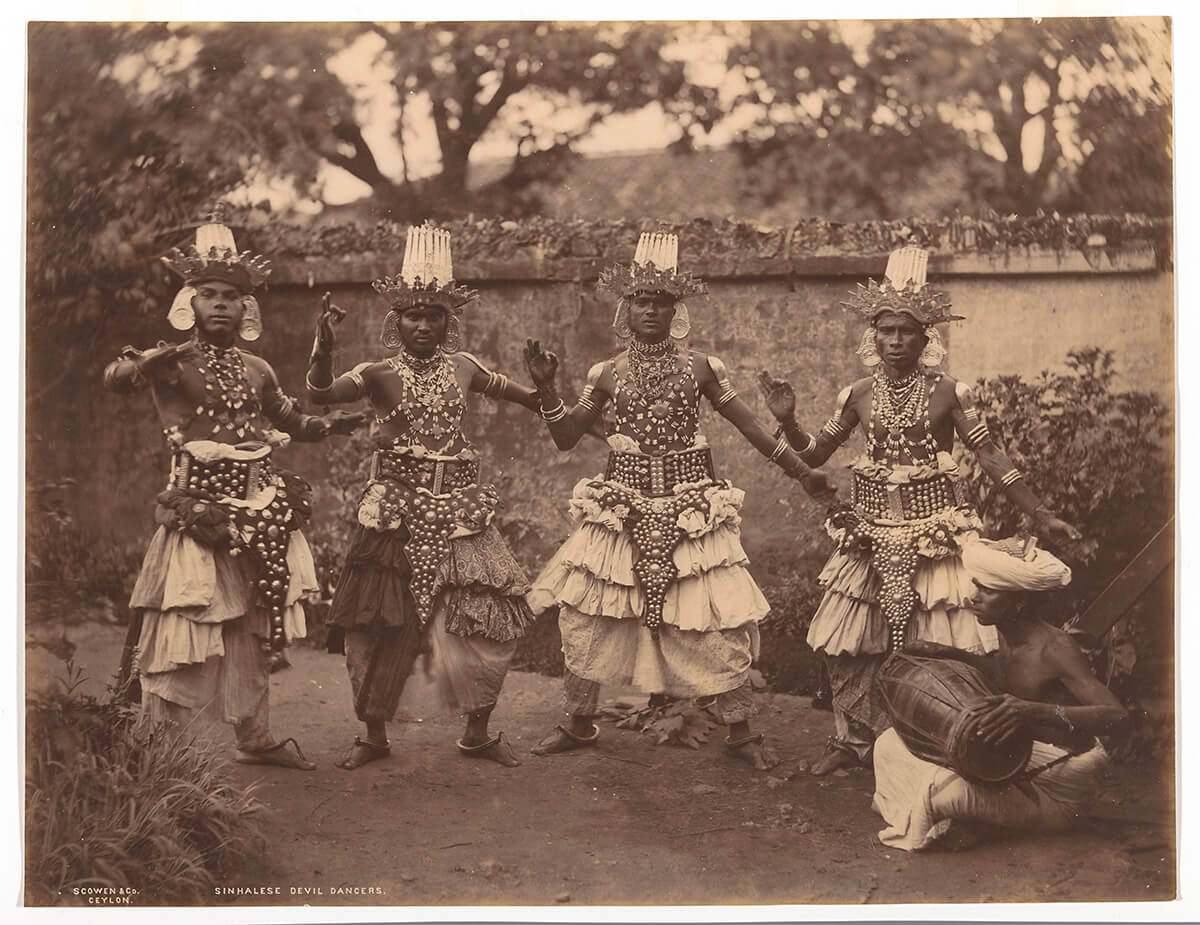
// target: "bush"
[[1093, 455], [68, 568], [106, 807], [790, 586]]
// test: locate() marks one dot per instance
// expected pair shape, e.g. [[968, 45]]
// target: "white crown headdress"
[[903, 290], [214, 256], [655, 268], [427, 274]]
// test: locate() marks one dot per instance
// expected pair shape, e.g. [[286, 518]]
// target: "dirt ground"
[[628, 823]]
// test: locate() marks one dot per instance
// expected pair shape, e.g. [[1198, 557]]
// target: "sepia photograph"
[[571, 465]]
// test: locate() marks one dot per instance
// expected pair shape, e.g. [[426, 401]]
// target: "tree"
[[866, 106], [286, 110], [104, 175]]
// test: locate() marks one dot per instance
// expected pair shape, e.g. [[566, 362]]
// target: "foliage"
[[171, 116], [1094, 455], [110, 806], [281, 102], [543, 238], [109, 183], [670, 721], [61, 559], [854, 113]]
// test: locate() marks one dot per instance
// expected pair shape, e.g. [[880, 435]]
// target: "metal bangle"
[[557, 413], [1009, 477], [320, 390], [780, 448]]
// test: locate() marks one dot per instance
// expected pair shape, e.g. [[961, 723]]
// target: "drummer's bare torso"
[[1038, 669]]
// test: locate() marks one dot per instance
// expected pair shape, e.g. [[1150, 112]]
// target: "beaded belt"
[[901, 502], [224, 478], [438, 476], [658, 475]]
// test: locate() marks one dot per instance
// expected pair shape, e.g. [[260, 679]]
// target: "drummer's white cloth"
[[920, 800]]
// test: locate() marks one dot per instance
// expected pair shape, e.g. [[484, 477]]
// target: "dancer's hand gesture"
[[542, 364], [781, 399]]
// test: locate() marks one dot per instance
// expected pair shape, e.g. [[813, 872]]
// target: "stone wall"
[[1026, 309]]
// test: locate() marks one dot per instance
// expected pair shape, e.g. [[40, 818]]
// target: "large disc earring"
[[681, 323], [935, 350], [452, 342], [621, 321], [251, 327], [391, 331], [182, 317], [867, 352]]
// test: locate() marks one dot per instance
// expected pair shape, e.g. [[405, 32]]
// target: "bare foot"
[[755, 752], [277, 755], [362, 752], [835, 759], [562, 739], [497, 750]]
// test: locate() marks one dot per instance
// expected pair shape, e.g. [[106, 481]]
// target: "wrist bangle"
[[1062, 714], [316, 388], [557, 413], [780, 448]]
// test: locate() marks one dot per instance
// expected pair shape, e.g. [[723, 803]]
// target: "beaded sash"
[[262, 506], [243, 479], [434, 499], [905, 501], [894, 525], [658, 475]]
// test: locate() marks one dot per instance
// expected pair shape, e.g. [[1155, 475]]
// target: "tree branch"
[[362, 164], [510, 83]]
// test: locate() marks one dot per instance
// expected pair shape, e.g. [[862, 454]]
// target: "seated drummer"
[[1046, 684]]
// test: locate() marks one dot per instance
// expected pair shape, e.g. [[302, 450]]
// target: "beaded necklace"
[[229, 398], [899, 405], [655, 405], [433, 401], [651, 366]]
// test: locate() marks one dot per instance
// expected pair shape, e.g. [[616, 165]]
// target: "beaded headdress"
[[214, 256], [903, 290], [427, 274], [655, 268], [426, 278]]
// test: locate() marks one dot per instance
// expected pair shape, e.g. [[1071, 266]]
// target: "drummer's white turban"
[[992, 565]]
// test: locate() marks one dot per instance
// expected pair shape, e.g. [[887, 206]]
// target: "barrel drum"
[[927, 700]]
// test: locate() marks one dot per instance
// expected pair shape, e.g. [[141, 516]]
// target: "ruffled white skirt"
[[849, 620], [186, 591], [709, 633]]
